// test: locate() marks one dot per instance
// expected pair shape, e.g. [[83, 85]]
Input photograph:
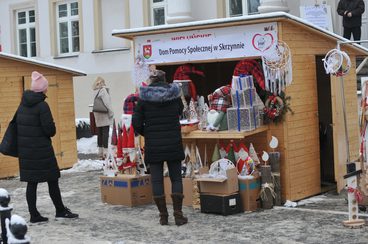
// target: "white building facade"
[[77, 33]]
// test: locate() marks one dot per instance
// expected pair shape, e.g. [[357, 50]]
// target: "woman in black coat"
[[37, 161], [156, 117]]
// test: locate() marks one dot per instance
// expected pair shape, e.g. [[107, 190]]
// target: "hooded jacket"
[[157, 118], [35, 125], [356, 7]]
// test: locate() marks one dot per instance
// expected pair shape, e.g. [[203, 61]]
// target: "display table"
[[198, 134]]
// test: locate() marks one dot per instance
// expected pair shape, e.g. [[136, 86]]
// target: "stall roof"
[[224, 22], [41, 63]]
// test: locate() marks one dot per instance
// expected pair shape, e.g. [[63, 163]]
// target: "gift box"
[[220, 204], [242, 82], [244, 98], [243, 119]]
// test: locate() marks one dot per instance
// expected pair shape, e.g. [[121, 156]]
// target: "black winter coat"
[[356, 7], [35, 124], [157, 118]]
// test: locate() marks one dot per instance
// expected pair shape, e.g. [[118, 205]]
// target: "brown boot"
[[177, 204], [161, 205]]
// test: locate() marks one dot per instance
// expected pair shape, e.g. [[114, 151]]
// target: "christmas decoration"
[[277, 68], [337, 62], [276, 107]]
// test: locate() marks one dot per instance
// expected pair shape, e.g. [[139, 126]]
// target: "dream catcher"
[[337, 62], [141, 70], [277, 68]]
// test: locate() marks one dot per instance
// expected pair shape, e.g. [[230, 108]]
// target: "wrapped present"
[[243, 119], [244, 98], [242, 82]]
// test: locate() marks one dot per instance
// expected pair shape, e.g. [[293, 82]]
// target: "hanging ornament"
[[337, 62], [274, 142], [277, 68]]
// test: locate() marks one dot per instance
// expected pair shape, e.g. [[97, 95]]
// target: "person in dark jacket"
[[351, 11], [37, 161], [156, 117]]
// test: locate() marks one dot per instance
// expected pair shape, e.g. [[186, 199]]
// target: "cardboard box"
[[221, 204], [187, 190], [128, 190], [220, 186], [249, 190]]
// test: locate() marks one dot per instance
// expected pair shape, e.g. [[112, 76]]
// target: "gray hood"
[[159, 92]]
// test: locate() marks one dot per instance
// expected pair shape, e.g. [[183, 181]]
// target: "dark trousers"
[[356, 31], [157, 178], [54, 192], [103, 136]]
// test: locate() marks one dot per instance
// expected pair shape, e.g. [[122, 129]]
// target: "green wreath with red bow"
[[276, 106]]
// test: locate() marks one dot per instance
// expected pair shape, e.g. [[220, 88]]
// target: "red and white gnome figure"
[[129, 150]]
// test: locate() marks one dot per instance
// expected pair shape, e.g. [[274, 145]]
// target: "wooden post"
[[354, 220], [275, 161], [267, 188]]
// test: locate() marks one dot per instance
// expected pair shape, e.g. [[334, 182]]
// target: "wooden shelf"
[[198, 134]]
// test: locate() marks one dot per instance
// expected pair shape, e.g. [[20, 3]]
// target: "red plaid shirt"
[[220, 99], [130, 102]]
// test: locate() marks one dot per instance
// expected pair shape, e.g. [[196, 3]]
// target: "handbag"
[[9, 144], [98, 105], [92, 123]]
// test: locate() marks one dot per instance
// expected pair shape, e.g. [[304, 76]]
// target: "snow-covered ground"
[[86, 146]]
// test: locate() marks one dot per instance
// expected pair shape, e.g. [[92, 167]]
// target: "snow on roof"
[[131, 33], [41, 63]]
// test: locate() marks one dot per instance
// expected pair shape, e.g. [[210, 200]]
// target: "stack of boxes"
[[245, 113], [219, 195]]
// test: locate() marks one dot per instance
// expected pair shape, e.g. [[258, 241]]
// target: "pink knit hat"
[[39, 82]]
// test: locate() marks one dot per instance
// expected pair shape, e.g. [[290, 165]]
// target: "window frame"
[[69, 19], [162, 4], [27, 26], [245, 9]]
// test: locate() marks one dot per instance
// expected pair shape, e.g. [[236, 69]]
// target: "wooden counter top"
[[228, 134]]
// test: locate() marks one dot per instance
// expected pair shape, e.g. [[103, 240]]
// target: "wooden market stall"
[[15, 77], [312, 139]]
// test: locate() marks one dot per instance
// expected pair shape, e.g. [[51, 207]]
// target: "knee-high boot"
[[161, 205], [178, 213]]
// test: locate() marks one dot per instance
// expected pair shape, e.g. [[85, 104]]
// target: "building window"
[[158, 12], [67, 15], [241, 7], [26, 33]]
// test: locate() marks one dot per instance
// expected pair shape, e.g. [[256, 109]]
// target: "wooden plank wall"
[[11, 88], [300, 168]]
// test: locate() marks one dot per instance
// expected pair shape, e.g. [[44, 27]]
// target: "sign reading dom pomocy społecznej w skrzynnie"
[[217, 43]]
